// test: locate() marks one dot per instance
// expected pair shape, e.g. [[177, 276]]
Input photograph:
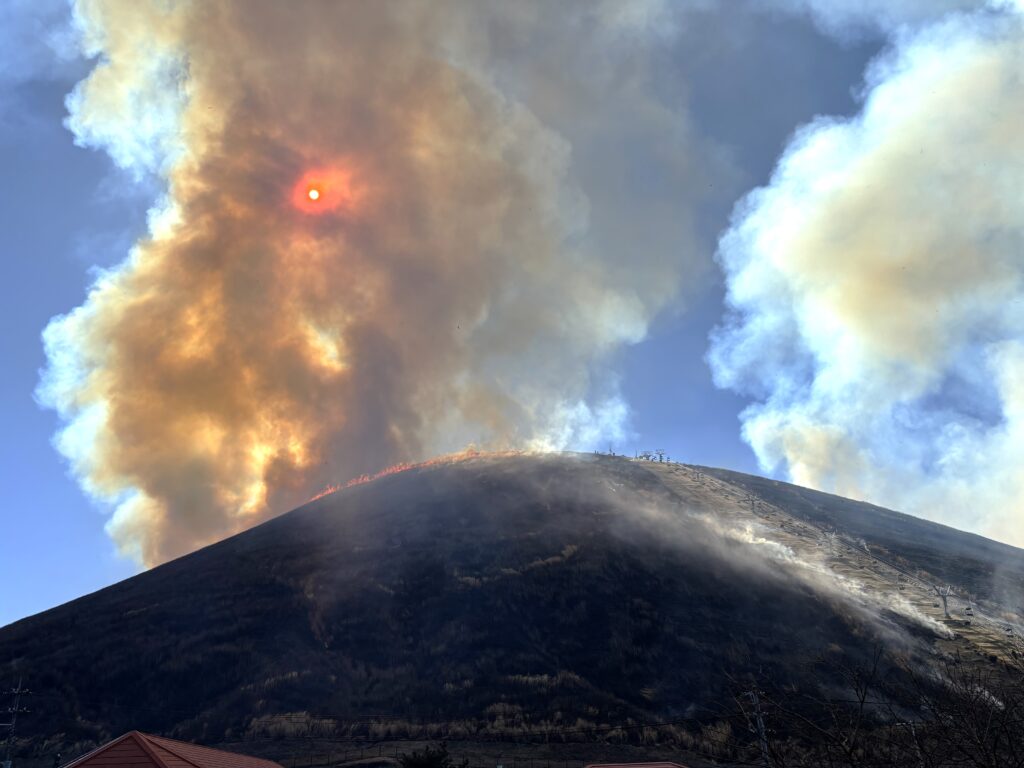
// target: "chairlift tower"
[[944, 594], [830, 541]]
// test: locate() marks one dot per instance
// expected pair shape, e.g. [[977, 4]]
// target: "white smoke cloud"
[[453, 285], [876, 287]]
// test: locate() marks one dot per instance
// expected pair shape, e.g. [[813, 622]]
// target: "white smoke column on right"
[[876, 287]]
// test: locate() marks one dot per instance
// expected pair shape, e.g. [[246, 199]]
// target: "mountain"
[[494, 596]]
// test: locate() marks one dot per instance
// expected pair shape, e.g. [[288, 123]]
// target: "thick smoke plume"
[[444, 289], [876, 286]]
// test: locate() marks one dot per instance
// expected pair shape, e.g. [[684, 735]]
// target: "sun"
[[325, 190]]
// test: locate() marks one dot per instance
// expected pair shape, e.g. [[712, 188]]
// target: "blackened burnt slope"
[[530, 586]]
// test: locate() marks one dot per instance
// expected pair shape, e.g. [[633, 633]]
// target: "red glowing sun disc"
[[323, 190]]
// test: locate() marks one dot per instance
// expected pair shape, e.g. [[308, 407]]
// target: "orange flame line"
[[448, 458]]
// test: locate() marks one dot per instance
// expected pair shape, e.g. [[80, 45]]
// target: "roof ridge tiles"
[[163, 752]]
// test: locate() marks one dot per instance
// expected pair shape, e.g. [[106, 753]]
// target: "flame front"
[[437, 461]]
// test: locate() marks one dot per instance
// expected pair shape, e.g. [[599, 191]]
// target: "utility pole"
[[917, 745], [762, 734], [14, 710]]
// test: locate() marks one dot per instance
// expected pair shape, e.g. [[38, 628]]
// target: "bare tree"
[[892, 712]]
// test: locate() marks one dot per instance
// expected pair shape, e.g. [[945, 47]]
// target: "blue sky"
[[749, 78], [63, 210]]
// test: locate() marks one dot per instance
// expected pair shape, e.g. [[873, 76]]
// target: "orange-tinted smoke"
[[259, 344]]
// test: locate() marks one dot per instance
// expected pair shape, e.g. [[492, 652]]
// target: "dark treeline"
[[889, 713]]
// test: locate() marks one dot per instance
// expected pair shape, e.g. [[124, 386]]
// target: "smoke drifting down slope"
[[443, 289]]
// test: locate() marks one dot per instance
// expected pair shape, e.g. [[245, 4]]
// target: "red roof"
[[142, 750]]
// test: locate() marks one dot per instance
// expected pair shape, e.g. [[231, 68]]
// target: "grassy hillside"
[[490, 597]]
